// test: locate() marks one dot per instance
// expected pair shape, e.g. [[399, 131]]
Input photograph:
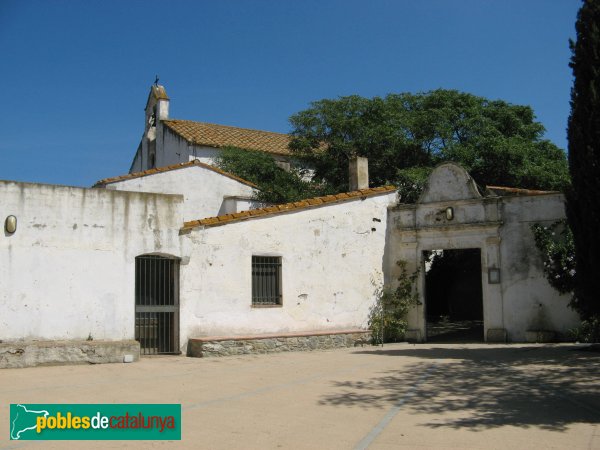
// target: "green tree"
[[583, 201], [275, 185], [404, 135]]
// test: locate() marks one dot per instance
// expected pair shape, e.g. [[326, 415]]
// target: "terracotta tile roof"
[[295, 206], [211, 135], [502, 190], [129, 176]]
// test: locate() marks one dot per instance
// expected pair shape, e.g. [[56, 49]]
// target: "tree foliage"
[[405, 134], [558, 250], [275, 185], [556, 244], [583, 200]]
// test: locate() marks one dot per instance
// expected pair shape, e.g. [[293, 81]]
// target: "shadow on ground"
[[479, 388]]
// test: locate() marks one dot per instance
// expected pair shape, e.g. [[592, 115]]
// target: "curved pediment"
[[449, 181]]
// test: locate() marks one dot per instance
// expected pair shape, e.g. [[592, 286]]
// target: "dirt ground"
[[460, 396]]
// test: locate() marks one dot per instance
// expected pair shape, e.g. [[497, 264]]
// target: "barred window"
[[266, 280]]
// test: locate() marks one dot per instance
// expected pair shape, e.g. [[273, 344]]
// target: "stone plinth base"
[[496, 335], [52, 353], [288, 342], [413, 336], [540, 336]]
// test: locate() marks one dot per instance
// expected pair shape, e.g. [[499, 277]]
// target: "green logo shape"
[[95, 422]]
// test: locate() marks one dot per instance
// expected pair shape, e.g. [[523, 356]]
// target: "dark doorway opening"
[[453, 295], [157, 304]]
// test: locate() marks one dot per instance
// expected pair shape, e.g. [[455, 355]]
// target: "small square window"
[[266, 280]]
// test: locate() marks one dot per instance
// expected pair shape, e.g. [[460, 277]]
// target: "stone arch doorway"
[[483, 237], [451, 214]]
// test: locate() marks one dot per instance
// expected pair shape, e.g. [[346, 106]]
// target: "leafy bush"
[[588, 331], [556, 244], [387, 317]]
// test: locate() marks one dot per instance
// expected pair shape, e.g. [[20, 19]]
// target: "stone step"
[[270, 343]]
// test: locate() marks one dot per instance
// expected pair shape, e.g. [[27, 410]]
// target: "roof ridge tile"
[[520, 190], [162, 169], [285, 207]]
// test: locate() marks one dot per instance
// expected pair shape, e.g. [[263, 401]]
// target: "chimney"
[[359, 173]]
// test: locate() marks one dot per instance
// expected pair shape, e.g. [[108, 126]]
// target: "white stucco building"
[[177, 253], [169, 141], [206, 189]]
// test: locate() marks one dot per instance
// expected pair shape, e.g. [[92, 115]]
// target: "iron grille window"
[[266, 280]]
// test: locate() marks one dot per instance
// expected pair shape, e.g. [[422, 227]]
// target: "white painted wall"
[[203, 190], [136, 164], [233, 204], [170, 147], [530, 303], [207, 155], [332, 260], [68, 272]]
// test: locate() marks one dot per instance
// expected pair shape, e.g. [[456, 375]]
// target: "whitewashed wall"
[[530, 303], [332, 260], [136, 164], [207, 155], [204, 190], [171, 148], [69, 270], [233, 204]]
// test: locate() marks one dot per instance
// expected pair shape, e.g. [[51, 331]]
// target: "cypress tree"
[[583, 198]]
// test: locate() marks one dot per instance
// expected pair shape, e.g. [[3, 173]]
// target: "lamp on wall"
[[10, 224], [493, 275], [449, 213]]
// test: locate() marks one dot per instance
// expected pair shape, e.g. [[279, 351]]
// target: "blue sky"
[[75, 75]]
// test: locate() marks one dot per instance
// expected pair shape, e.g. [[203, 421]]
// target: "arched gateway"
[[453, 213]]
